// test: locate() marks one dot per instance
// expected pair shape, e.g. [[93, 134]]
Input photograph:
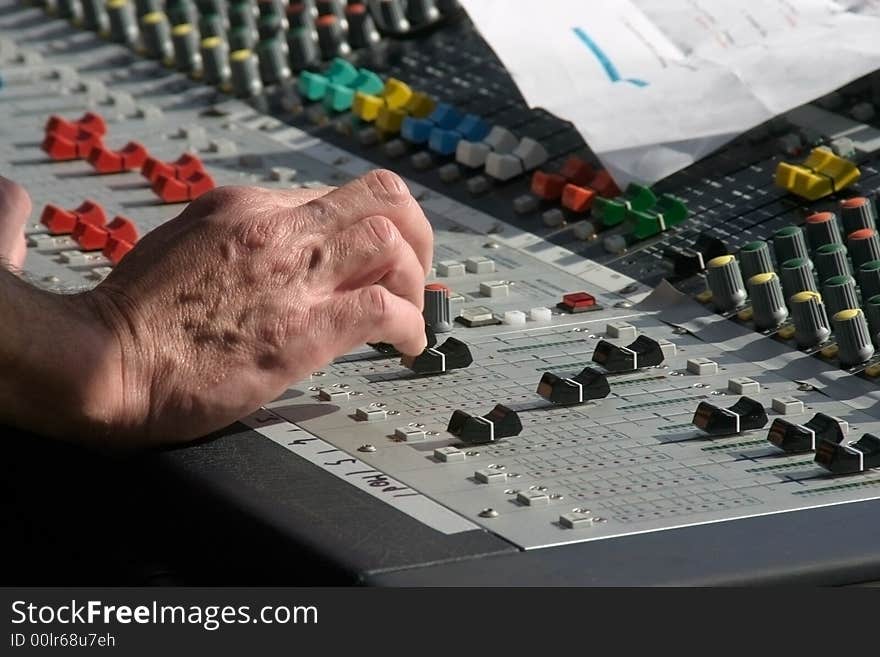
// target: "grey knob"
[[796, 275], [241, 13], [210, 6], [215, 61], [181, 11], [448, 6], [822, 229], [811, 325], [270, 25], [273, 61], [302, 47], [332, 7], [156, 34], [94, 15], [187, 57], [789, 243], [245, 71], [436, 313], [857, 213], [212, 25], [754, 258], [300, 14], [392, 17], [69, 9], [869, 278], [362, 31], [872, 313], [420, 12], [123, 23], [143, 7], [331, 37], [839, 293], [768, 303], [831, 260], [863, 246], [854, 343], [725, 282], [241, 37]]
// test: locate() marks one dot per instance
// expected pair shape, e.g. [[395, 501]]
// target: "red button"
[[854, 202], [89, 121], [170, 189], [577, 199], [116, 249], [577, 171], [578, 300], [862, 234], [62, 222], [104, 160], [603, 184], [820, 218], [175, 190], [438, 287], [94, 238], [62, 148], [90, 237], [547, 186], [58, 220], [186, 165], [199, 183], [123, 228]]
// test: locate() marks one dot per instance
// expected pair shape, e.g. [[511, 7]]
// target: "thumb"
[[15, 210]]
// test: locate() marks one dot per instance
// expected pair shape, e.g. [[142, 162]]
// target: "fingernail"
[[391, 183]]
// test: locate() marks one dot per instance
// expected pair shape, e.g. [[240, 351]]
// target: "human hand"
[[15, 208], [245, 292]]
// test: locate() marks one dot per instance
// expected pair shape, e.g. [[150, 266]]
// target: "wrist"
[[62, 368]]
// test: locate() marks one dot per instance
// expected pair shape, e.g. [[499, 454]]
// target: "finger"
[[382, 193], [15, 209], [301, 195], [373, 251], [374, 314]]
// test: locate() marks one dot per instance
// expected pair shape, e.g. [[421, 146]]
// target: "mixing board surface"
[[607, 362]]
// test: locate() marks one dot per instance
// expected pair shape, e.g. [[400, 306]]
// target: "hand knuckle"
[[378, 300], [388, 186], [381, 231]]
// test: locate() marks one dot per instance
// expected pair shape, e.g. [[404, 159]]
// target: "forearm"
[[51, 361]]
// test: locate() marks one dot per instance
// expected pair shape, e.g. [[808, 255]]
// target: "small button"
[[533, 497], [476, 316], [743, 385], [494, 289], [787, 405], [576, 520], [370, 414], [621, 330], [409, 434], [702, 366], [333, 394], [490, 476], [480, 265], [541, 314], [448, 454], [450, 268]]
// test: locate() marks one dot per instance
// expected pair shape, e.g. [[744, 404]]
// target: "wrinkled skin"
[[245, 292]]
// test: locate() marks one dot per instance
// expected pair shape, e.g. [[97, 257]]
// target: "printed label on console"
[[359, 474]]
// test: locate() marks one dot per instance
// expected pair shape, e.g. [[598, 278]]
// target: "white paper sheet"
[[654, 85]]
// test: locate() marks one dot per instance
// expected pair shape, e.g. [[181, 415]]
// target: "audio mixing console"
[[697, 356]]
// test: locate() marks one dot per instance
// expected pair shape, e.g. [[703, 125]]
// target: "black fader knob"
[[589, 384], [643, 352], [745, 415], [500, 422]]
